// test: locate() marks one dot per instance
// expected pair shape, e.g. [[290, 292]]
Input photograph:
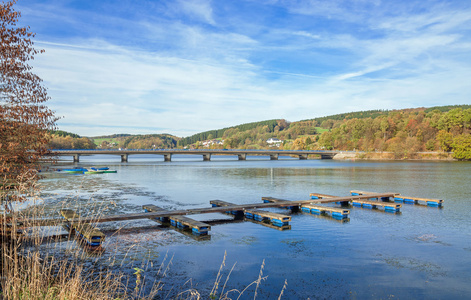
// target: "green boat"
[[110, 171], [74, 172], [93, 172]]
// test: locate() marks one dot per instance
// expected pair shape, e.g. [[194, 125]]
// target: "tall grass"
[[27, 272]]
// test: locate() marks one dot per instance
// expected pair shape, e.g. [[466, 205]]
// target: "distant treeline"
[[149, 141], [447, 108], [62, 133], [119, 135], [65, 140], [402, 132], [352, 115]]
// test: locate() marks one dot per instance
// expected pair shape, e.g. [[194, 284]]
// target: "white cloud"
[[178, 75], [200, 9]]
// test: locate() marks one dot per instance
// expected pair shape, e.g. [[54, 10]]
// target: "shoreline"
[[390, 156]]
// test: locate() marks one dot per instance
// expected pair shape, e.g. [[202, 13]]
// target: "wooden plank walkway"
[[406, 199], [147, 215], [88, 233], [417, 200], [182, 222], [154, 208], [387, 206], [317, 210], [356, 193], [269, 225], [320, 196], [276, 219]]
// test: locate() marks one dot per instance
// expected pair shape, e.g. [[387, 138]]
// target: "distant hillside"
[[112, 136], [145, 141], [66, 140], [220, 133], [62, 133], [403, 132], [377, 113]]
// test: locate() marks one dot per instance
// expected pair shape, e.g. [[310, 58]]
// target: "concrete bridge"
[[206, 153]]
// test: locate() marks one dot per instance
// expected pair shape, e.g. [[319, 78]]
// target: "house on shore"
[[274, 142]]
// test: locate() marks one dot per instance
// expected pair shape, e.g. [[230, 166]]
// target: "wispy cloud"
[[187, 66]]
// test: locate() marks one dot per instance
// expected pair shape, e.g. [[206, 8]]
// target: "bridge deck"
[[206, 153]]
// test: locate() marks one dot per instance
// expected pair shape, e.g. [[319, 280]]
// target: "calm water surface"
[[422, 252]]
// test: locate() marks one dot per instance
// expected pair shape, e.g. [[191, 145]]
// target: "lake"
[[422, 252]]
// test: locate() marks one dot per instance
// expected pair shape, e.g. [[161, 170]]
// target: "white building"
[[274, 142]]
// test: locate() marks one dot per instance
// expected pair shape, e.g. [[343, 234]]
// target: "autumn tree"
[[24, 119]]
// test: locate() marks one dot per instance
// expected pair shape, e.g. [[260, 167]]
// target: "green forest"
[[401, 132]]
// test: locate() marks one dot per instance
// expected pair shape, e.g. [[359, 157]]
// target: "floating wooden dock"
[[220, 203], [317, 210], [387, 206], [136, 216], [417, 200], [269, 225], [182, 222], [320, 196], [197, 227], [92, 236], [268, 202], [252, 212], [153, 208], [406, 199], [335, 213], [276, 219]]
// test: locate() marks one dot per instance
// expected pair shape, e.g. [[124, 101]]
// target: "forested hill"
[[403, 132], [219, 133], [377, 113]]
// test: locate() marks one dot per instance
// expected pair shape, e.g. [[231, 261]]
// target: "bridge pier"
[[207, 157], [168, 157], [274, 156], [303, 156], [327, 156], [76, 158], [242, 156], [124, 157]]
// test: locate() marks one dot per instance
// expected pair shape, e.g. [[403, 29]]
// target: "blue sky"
[[183, 67]]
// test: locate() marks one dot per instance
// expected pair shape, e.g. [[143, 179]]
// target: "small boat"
[[93, 172], [110, 171], [100, 169], [74, 171]]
